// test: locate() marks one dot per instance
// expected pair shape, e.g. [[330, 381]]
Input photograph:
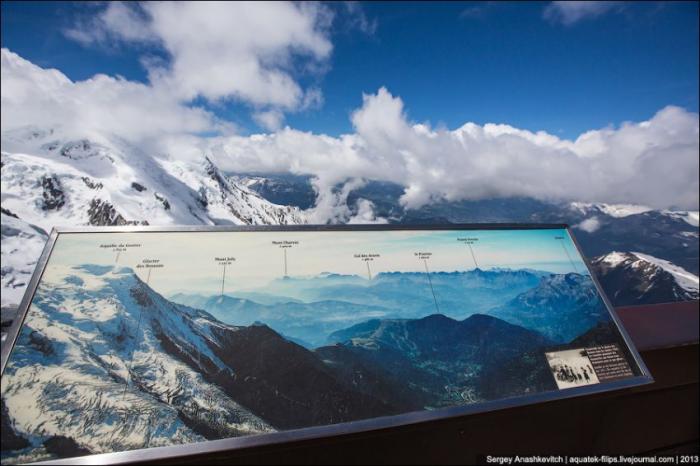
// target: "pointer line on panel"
[[223, 280], [573, 264], [430, 282], [473, 256]]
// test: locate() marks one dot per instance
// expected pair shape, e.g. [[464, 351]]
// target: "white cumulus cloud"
[[31, 95], [271, 120], [654, 162], [589, 225], [250, 52]]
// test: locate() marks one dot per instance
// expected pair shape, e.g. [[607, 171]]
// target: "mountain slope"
[[439, 358], [287, 384], [560, 307], [631, 278], [437, 337], [92, 365], [671, 236]]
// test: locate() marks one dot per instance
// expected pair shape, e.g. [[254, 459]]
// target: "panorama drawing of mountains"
[[143, 340]]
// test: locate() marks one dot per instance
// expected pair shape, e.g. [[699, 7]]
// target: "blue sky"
[[450, 62]]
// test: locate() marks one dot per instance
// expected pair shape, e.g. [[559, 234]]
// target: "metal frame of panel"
[[308, 433]]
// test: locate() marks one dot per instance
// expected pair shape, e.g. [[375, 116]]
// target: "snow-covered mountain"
[[107, 333], [613, 210], [50, 179], [21, 246], [635, 278]]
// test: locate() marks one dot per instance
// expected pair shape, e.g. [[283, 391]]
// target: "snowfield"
[[22, 244], [613, 210], [631, 278], [685, 279], [93, 354]]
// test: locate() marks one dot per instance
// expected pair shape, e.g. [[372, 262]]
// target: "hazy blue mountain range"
[[305, 323], [560, 307], [459, 294], [318, 306]]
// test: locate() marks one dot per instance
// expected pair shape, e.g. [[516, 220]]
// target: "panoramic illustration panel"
[[140, 340]]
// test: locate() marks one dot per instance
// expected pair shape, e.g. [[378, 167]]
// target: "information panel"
[[141, 339]]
